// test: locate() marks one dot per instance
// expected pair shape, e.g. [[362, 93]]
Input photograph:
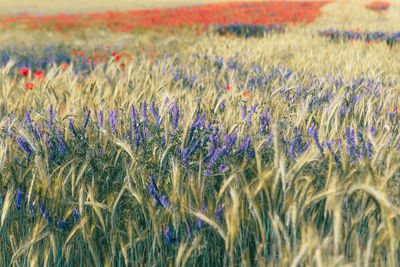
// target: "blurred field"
[[74, 6], [188, 149]]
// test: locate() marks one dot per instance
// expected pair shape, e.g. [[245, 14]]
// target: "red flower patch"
[[194, 17], [378, 6]]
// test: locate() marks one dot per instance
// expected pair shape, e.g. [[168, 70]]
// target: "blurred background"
[[43, 7]]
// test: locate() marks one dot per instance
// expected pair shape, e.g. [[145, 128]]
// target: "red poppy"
[[245, 94], [29, 86], [24, 72], [113, 53], [64, 65], [122, 64], [38, 75], [142, 48], [228, 88], [117, 57], [151, 54]]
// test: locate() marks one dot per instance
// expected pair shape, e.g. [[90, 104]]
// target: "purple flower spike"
[[175, 119], [100, 118], [164, 202], [153, 181], [62, 224], [87, 119], [219, 213], [153, 193], [329, 145], [167, 236], [61, 146], [41, 209], [71, 126], [200, 221], [76, 216], [48, 217], [314, 133], [19, 198], [244, 112], [144, 113], [51, 115]]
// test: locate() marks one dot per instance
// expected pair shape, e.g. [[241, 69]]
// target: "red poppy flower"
[[38, 75], [117, 57], [113, 53], [142, 48], [228, 88], [64, 65], [245, 94], [122, 65], [24, 72], [29, 86], [151, 54]]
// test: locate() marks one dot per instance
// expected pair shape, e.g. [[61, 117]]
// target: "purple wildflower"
[[113, 120], [153, 193], [351, 142], [100, 119], [244, 112], [41, 208], [195, 146], [219, 213], [144, 113], [51, 115], [76, 216], [87, 119], [71, 126], [61, 146], [19, 198], [184, 157], [372, 130], [265, 118], [62, 224], [48, 217], [166, 102], [200, 221], [214, 158], [254, 108], [329, 145], [175, 118], [25, 146], [314, 133], [164, 202], [245, 145], [222, 168], [153, 181], [167, 236], [368, 147], [28, 119]]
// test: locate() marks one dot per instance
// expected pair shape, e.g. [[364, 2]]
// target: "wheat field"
[[202, 150]]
